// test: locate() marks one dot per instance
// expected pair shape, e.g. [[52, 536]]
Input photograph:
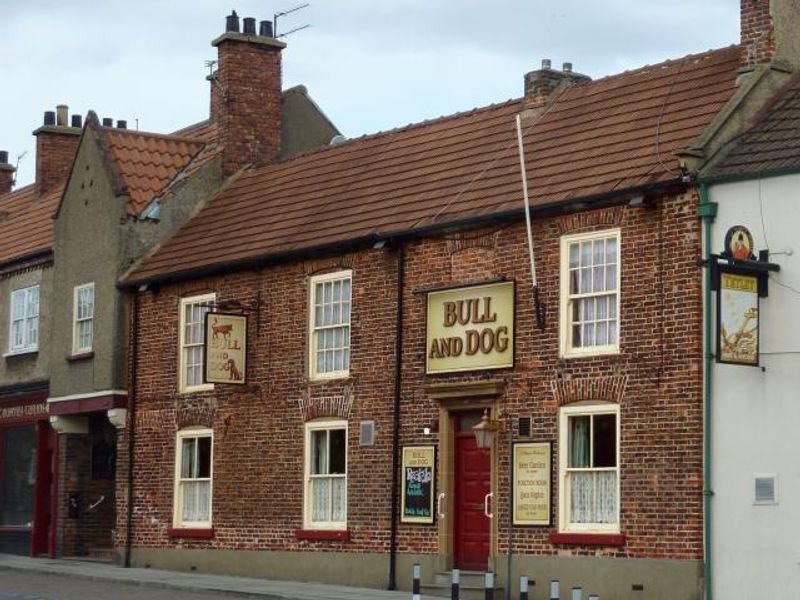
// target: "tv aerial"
[[288, 12]]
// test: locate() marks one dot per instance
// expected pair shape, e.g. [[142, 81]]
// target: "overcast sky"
[[370, 64]]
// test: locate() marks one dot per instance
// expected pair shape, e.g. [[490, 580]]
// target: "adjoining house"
[[28, 445], [370, 321], [104, 196], [754, 189]]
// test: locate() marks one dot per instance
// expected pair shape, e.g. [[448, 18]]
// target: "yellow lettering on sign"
[[743, 283]]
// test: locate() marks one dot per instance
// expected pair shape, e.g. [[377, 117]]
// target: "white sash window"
[[326, 475], [329, 325], [193, 478], [24, 330]]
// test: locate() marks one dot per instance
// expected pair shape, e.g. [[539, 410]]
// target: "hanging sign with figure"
[[225, 348], [737, 317]]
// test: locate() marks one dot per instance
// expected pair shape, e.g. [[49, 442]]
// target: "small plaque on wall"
[[533, 483], [419, 477], [225, 349]]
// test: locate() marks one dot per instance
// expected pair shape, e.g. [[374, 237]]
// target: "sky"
[[371, 65]]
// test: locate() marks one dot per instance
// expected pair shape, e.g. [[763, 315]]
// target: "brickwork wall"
[[258, 447], [259, 429], [757, 31], [55, 150], [249, 103], [93, 527]]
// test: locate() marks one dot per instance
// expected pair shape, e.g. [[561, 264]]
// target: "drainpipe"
[[133, 349], [398, 371], [707, 211]]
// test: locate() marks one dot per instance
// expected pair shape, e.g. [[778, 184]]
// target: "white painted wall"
[[755, 413]]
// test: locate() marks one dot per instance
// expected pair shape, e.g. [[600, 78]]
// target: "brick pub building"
[[369, 273]]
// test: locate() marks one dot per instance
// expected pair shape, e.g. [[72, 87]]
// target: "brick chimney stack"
[[56, 143], [246, 94], [769, 33], [6, 174], [542, 83]]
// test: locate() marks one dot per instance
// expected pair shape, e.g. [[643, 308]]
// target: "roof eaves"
[[127, 282]]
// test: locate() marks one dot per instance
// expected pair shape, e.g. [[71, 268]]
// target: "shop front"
[[28, 472]]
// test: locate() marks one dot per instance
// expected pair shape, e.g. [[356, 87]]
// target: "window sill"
[[601, 351], [15, 353], [326, 377], [197, 533], [196, 389], [80, 356], [341, 535], [15, 528], [587, 539]]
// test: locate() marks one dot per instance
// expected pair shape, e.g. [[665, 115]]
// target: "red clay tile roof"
[[605, 136], [147, 162], [26, 223], [773, 143]]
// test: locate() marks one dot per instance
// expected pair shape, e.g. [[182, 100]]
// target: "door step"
[[470, 588]]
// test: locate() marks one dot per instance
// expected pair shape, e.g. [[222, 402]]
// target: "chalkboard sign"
[[419, 479]]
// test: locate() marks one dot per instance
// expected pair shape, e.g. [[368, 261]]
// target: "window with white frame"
[[329, 325], [83, 319], [325, 495], [192, 340], [590, 282], [589, 468], [193, 478], [24, 330]]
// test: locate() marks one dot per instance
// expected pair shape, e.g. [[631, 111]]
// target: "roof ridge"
[[669, 61], [163, 136]]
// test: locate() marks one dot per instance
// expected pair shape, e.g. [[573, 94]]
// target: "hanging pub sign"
[[739, 243], [737, 317], [225, 348], [419, 477], [470, 328], [533, 482]]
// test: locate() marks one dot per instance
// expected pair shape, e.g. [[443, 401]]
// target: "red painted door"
[[472, 473]]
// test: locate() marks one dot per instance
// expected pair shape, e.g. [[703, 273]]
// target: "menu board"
[[419, 477], [532, 483]]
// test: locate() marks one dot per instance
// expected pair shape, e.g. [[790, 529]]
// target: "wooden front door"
[[472, 484], [43, 533]]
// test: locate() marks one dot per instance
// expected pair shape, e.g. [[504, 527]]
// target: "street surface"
[[38, 586]]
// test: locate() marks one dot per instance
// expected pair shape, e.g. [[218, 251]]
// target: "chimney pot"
[[77, 121], [547, 63], [121, 124], [265, 29], [249, 26], [3, 157], [567, 68], [62, 115], [232, 23], [49, 117], [108, 122]]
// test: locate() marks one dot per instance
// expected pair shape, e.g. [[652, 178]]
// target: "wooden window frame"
[[576, 410], [183, 387], [313, 329], [177, 496], [76, 347], [308, 522], [26, 347], [566, 350]]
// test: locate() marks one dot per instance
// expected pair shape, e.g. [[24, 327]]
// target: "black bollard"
[[523, 588], [577, 593], [456, 580], [415, 595], [488, 585], [555, 590]]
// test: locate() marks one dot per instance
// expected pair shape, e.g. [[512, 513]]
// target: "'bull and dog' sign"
[[471, 328], [226, 348]]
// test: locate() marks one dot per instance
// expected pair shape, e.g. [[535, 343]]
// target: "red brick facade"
[[758, 32], [55, 151], [258, 429], [246, 100]]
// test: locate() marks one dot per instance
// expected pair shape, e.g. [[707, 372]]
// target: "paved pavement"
[[22, 578]]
